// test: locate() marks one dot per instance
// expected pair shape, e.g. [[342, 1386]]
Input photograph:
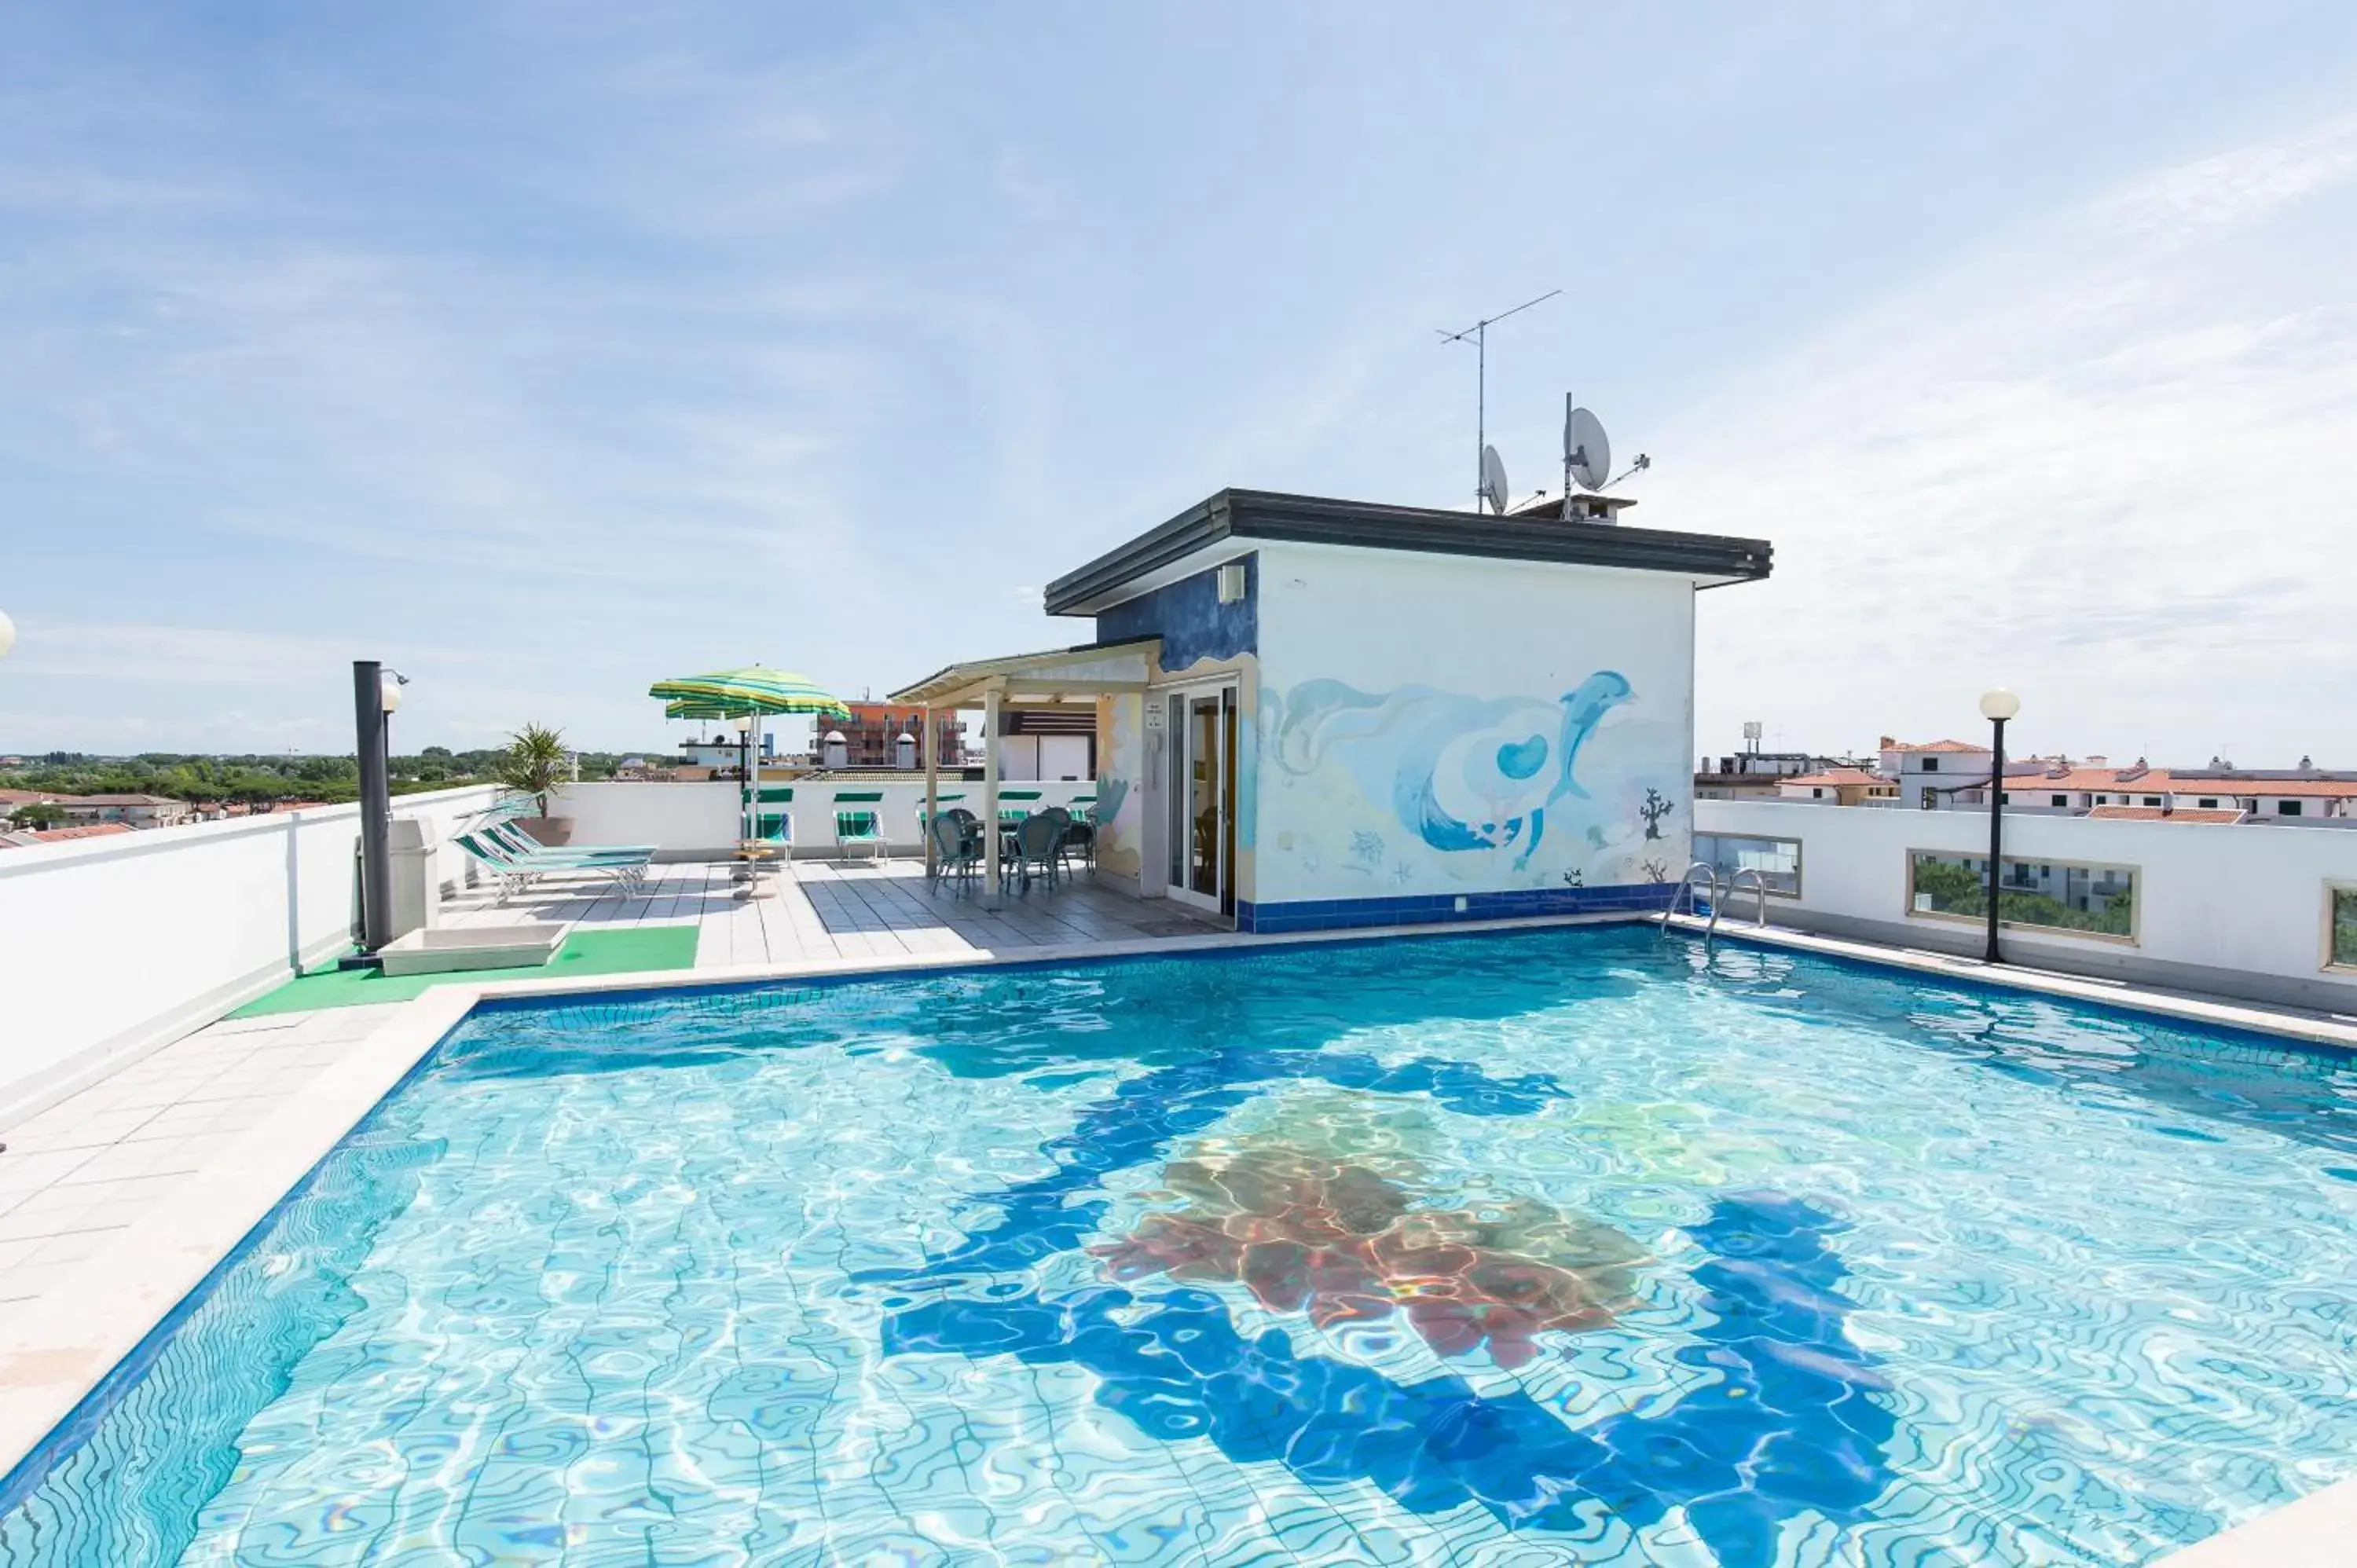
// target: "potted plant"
[[535, 763]]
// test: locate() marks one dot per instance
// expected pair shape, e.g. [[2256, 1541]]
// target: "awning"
[[1058, 674]]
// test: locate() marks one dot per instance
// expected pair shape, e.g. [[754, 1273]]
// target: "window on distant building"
[[2061, 799], [2288, 807], [1931, 765], [1816, 794], [2210, 804], [2152, 799]]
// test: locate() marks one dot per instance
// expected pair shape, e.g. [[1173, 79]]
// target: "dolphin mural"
[[1462, 773]]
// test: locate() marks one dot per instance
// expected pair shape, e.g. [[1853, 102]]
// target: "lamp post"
[[376, 693], [1997, 706]]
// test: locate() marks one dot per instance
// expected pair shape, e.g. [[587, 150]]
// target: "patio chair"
[[1036, 843], [924, 824], [859, 820], [1083, 833], [957, 846]]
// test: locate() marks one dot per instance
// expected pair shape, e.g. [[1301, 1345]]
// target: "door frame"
[[1177, 785]]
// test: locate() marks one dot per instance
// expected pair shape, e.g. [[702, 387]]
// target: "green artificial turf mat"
[[624, 951]]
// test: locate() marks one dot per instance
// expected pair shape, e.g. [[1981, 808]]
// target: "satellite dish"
[[1493, 480], [1586, 452]]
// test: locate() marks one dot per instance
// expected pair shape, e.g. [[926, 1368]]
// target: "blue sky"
[[544, 350]]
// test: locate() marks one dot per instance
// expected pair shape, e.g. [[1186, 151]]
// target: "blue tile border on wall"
[[1343, 914]]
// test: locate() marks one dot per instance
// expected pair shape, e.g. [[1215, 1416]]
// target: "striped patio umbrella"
[[755, 691]]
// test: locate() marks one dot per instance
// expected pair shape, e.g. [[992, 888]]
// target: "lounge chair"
[[508, 836], [859, 820], [516, 872]]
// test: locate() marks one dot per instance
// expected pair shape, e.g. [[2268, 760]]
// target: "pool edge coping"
[[93, 1326]]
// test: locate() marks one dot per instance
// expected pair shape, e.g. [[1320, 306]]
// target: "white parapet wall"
[[699, 821], [2238, 909], [111, 947]]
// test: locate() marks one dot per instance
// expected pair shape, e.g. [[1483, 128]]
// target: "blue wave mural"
[[1461, 773]]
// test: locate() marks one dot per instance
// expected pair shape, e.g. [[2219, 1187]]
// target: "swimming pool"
[[1533, 1248]]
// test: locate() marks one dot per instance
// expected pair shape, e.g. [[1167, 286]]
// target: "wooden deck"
[[823, 910]]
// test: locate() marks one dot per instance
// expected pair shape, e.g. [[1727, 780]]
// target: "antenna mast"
[[1478, 333]]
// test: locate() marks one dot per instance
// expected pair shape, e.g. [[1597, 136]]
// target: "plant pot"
[[554, 832]]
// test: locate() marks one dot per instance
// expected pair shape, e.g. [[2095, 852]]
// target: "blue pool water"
[[1565, 1246]]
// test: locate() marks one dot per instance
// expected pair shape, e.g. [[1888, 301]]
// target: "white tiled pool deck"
[[822, 910]]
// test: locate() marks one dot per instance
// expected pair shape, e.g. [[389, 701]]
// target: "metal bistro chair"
[[1082, 834], [858, 821], [957, 846], [1037, 841], [924, 823]]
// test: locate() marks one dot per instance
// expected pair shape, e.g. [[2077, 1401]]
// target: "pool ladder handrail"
[[1711, 877], [1686, 891], [1758, 893]]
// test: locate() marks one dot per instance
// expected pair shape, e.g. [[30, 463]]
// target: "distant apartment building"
[[2216, 793], [11, 799], [1758, 775], [1839, 786], [890, 734], [1928, 772], [132, 811]]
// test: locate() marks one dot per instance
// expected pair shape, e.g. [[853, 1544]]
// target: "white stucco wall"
[[2235, 908], [110, 947], [1412, 726], [699, 820]]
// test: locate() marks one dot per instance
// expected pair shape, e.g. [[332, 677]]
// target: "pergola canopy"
[[1059, 674]]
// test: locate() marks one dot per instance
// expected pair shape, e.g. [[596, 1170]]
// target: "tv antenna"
[[1478, 336]]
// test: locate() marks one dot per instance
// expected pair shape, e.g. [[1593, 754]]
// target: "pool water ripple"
[[1570, 1246]]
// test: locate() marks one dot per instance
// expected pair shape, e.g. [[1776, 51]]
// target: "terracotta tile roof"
[[1935, 745], [87, 831], [2310, 788], [1846, 776], [24, 797], [2156, 814], [2095, 780]]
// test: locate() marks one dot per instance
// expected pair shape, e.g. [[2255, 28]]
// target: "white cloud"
[[2105, 462]]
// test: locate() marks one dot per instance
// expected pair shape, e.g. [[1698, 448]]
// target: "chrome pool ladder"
[[1710, 884], [1685, 892]]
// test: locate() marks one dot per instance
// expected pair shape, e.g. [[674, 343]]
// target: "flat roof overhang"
[[1220, 525], [1089, 671]]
